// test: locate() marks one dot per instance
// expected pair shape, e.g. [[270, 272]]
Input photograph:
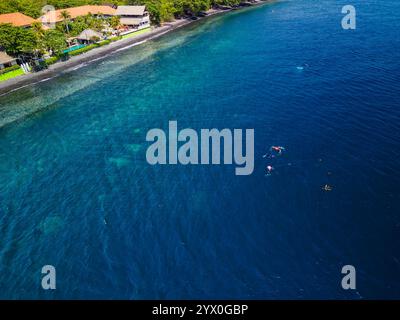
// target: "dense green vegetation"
[[17, 40], [33, 8], [166, 10], [161, 10]]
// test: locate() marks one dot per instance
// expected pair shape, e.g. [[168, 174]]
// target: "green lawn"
[[133, 34], [11, 74]]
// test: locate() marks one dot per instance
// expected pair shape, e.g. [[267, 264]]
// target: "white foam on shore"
[[13, 90], [131, 46], [77, 67], [28, 85], [47, 79], [99, 58]]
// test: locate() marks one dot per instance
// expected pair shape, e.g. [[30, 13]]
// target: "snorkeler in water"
[[327, 188], [277, 149], [274, 151]]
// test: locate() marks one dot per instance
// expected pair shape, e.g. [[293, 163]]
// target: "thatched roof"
[[5, 58], [89, 34]]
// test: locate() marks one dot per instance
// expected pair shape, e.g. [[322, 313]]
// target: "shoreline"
[[12, 85]]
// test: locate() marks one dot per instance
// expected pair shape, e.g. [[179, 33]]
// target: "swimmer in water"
[[327, 188], [278, 149], [269, 170]]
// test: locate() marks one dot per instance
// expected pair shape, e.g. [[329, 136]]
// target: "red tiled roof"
[[76, 12], [17, 19]]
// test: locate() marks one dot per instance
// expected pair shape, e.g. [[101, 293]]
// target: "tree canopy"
[[161, 10], [17, 41]]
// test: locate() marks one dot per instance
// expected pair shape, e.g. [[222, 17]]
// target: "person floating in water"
[[278, 149], [327, 188], [269, 170], [274, 151]]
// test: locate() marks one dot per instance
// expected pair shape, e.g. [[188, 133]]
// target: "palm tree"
[[66, 16], [38, 29], [115, 22], [40, 33]]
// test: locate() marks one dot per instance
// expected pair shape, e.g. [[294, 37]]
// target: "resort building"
[[133, 16], [17, 19], [6, 61], [56, 16]]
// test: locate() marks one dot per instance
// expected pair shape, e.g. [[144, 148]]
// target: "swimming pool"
[[79, 46]]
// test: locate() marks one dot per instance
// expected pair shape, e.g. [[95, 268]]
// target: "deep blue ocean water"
[[77, 193]]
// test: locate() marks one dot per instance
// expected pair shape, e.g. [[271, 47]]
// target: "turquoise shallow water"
[[76, 191]]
